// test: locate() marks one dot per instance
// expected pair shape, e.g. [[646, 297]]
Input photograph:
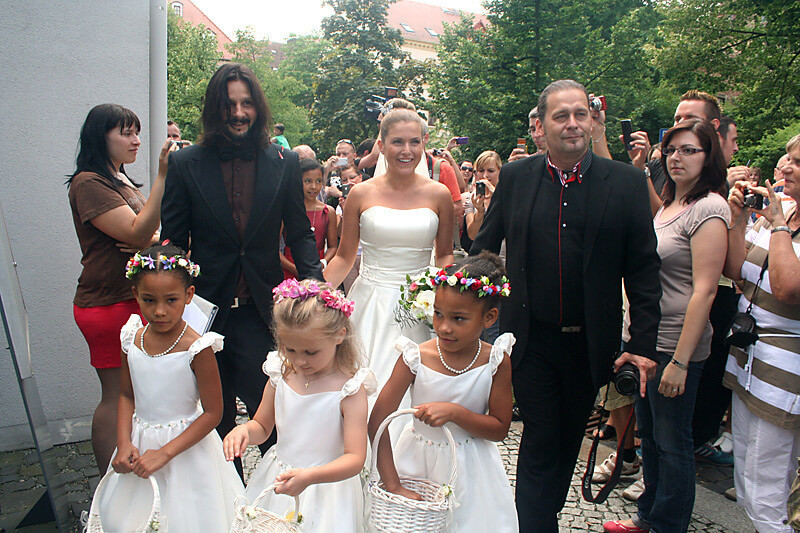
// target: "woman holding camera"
[[691, 229], [764, 370]]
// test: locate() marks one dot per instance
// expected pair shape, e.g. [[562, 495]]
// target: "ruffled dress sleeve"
[[410, 352], [210, 339], [363, 378], [128, 332], [273, 367], [502, 345]]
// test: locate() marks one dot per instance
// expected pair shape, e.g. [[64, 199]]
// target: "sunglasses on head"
[[348, 141]]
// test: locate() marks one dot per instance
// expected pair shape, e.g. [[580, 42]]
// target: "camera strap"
[[761, 275], [586, 482]]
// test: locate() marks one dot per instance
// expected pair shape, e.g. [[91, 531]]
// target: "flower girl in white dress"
[[460, 382], [170, 403], [316, 397]]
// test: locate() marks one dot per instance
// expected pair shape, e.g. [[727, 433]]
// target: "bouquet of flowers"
[[416, 300]]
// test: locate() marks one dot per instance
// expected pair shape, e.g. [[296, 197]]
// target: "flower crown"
[[140, 262], [462, 281], [291, 288]]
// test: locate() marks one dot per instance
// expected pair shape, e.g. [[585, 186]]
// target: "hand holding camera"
[[645, 367]]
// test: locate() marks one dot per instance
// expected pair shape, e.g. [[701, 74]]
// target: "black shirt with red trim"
[[555, 245]]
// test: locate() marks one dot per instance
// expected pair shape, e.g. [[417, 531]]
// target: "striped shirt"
[[766, 375]]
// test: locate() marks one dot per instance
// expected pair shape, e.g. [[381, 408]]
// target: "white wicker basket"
[[253, 519], [155, 521], [392, 512]]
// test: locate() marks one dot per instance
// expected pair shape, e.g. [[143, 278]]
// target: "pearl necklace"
[[450, 368], [174, 344]]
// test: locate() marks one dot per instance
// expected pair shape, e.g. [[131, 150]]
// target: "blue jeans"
[[665, 425]]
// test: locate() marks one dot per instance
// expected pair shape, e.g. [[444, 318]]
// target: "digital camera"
[[743, 330], [626, 380]]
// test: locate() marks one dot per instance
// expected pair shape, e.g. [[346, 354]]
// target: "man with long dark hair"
[[225, 200]]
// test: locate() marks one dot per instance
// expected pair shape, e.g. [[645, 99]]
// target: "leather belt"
[[240, 301]]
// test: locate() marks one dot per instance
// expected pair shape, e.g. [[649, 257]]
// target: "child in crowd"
[[170, 402], [320, 215], [459, 381], [317, 399]]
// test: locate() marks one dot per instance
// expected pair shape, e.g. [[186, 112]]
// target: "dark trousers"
[[554, 392], [712, 397], [247, 341]]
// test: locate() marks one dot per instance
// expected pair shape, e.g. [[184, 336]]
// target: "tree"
[[489, 80], [362, 56], [748, 49], [281, 91], [192, 57]]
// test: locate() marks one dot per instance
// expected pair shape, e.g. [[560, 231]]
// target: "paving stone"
[[79, 462]]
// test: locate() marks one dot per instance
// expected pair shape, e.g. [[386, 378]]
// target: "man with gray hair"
[[576, 225]]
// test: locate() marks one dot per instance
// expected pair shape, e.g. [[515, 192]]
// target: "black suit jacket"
[[195, 210], [619, 243]]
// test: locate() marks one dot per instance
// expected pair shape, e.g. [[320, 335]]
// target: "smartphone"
[[341, 162], [346, 189], [627, 129], [522, 144], [480, 188], [462, 140]]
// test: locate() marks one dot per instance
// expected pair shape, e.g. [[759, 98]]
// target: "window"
[[177, 7], [432, 32], [406, 27]]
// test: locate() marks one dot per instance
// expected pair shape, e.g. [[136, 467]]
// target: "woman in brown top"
[[108, 209]]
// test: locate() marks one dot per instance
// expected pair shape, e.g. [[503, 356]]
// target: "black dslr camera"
[[626, 380]]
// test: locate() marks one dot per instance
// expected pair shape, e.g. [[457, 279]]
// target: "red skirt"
[[101, 326]]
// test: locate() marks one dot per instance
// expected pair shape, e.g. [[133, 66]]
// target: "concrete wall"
[[60, 58]]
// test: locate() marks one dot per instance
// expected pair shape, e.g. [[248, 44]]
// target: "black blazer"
[[619, 243], [195, 210]]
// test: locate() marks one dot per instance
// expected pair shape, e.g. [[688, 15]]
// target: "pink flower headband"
[[291, 288]]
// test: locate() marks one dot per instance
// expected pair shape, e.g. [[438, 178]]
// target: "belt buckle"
[[570, 329], [235, 302]]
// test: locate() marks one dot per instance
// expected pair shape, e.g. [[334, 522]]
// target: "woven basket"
[[392, 512], [253, 519], [155, 521]]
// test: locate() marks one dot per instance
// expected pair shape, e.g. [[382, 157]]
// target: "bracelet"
[[682, 366], [324, 263], [776, 229]]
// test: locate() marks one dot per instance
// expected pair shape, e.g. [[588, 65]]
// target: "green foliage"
[[765, 153], [748, 48], [362, 56], [280, 89], [489, 80], [192, 57]]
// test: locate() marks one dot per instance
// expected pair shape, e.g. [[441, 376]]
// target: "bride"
[[397, 217]]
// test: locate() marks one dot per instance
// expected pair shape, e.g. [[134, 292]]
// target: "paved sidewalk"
[[21, 483]]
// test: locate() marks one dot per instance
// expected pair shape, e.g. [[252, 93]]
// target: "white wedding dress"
[[395, 243]]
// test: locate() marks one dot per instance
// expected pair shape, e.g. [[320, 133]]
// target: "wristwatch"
[[776, 229]]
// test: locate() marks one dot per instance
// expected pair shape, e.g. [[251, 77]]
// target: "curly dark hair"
[[484, 264]]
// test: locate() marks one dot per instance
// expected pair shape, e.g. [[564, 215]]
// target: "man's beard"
[[238, 138]]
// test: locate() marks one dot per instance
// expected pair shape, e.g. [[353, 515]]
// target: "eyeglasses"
[[348, 141], [467, 169], [683, 150]]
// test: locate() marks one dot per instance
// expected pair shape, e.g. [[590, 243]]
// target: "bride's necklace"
[[174, 344], [450, 368]]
